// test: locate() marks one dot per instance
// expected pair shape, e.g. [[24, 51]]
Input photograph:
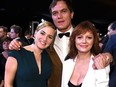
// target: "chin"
[[42, 47]]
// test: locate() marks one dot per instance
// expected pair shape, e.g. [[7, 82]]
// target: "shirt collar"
[[70, 30]]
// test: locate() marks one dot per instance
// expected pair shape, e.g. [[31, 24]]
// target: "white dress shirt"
[[93, 78], [61, 45]]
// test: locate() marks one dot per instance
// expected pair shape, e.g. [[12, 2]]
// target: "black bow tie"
[[62, 34]]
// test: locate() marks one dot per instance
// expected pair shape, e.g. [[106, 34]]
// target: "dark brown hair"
[[5, 29], [17, 29], [68, 3]]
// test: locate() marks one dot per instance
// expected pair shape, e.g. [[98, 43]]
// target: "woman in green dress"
[[31, 66]]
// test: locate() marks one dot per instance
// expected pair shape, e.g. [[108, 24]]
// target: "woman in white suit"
[[81, 69]]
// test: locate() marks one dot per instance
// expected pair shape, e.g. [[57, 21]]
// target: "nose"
[[84, 40], [45, 38], [59, 15]]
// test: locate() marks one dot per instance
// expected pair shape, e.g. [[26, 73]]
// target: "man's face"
[[62, 16], [2, 33], [13, 35], [111, 31]]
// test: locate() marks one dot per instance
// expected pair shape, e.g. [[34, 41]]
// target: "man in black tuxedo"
[[111, 47], [27, 37]]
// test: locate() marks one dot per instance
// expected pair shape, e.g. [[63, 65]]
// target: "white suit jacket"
[[93, 78]]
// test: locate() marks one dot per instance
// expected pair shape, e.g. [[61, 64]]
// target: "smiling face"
[[84, 42], [84, 39], [44, 37]]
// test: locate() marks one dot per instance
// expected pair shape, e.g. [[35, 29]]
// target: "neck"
[[82, 56], [65, 29], [35, 49], [3, 37]]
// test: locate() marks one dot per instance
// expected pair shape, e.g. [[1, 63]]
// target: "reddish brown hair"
[[82, 28]]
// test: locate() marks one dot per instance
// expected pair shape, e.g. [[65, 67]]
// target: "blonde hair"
[[43, 24]]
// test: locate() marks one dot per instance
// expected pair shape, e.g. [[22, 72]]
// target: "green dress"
[[27, 74]]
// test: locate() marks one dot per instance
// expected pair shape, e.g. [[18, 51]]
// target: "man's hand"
[[109, 58], [15, 45], [102, 60]]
